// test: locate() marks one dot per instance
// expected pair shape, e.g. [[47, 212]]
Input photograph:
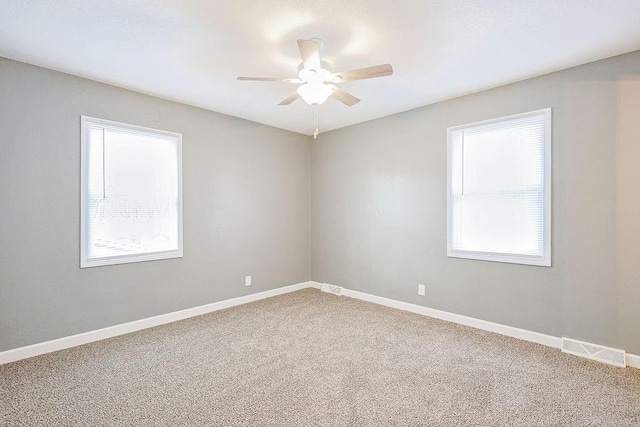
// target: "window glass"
[[132, 204], [499, 189]]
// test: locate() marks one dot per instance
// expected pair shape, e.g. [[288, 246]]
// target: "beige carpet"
[[310, 358]]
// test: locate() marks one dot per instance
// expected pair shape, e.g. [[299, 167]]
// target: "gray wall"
[[246, 209], [376, 193], [379, 209]]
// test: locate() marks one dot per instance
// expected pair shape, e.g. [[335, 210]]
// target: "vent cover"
[[611, 356], [336, 290]]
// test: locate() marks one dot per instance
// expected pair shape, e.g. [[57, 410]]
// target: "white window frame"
[[85, 261], [545, 260]]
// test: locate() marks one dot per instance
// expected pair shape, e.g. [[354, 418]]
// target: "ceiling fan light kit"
[[314, 93], [317, 81]]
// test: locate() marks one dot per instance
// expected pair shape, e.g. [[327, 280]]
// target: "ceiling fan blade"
[[270, 79], [310, 53], [365, 73], [344, 96], [289, 99]]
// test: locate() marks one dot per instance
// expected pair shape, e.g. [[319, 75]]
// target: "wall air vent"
[[336, 290], [611, 356]]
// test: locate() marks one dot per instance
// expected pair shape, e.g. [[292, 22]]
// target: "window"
[[131, 193], [499, 194]]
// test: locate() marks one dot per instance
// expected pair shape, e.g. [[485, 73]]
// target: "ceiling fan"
[[317, 82]]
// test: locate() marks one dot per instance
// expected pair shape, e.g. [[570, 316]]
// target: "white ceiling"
[[192, 51]]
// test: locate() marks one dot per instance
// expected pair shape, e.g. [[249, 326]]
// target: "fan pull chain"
[[316, 132]]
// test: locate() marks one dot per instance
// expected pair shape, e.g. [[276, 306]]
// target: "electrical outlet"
[[247, 281], [421, 290]]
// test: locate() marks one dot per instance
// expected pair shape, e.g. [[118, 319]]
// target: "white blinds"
[[132, 192], [497, 194]]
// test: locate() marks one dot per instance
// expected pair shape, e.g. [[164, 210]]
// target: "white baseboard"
[[137, 325], [16, 354], [498, 328], [510, 331], [633, 360]]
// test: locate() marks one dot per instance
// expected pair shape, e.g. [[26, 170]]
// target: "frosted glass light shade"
[[315, 93]]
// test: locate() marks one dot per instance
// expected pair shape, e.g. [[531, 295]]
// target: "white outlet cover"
[[247, 281], [421, 290]]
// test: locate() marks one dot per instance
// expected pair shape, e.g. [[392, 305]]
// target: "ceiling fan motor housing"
[[323, 64]]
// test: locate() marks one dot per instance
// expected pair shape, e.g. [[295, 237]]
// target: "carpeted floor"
[[310, 358]]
